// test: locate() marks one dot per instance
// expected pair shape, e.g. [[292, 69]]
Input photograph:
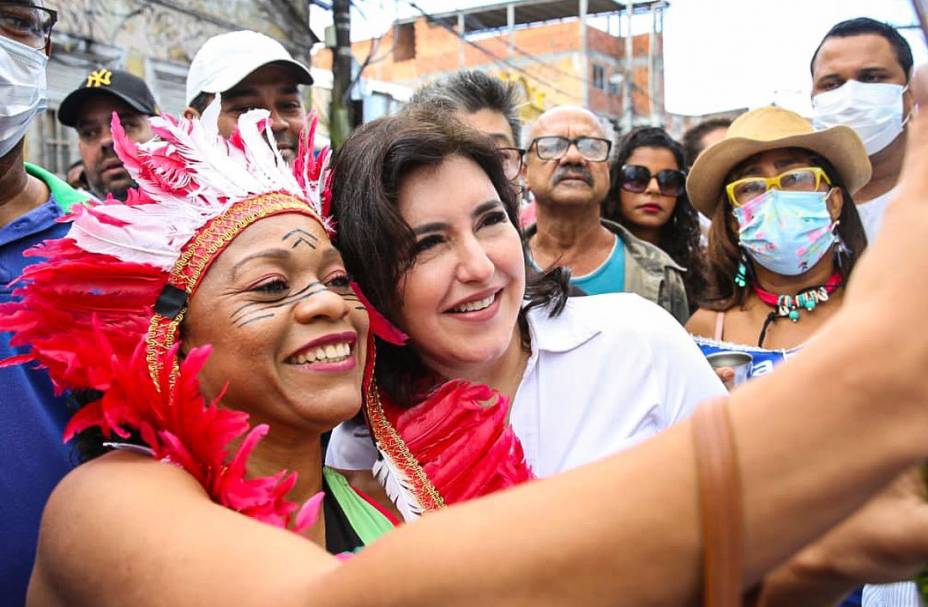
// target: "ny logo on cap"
[[101, 77]]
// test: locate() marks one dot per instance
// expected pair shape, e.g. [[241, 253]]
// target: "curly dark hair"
[[725, 252], [679, 237]]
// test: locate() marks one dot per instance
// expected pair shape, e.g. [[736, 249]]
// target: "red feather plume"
[[182, 428], [382, 328]]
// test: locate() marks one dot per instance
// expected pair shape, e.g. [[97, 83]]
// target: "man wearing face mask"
[[860, 78], [32, 419]]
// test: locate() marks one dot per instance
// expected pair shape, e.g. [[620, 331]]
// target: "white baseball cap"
[[225, 60]]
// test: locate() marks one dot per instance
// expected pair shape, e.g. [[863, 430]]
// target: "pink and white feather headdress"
[[103, 310]]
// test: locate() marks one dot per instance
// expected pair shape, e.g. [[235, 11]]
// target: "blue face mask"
[[786, 232]]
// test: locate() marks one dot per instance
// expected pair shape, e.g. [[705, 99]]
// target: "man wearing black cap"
[[89, 109]]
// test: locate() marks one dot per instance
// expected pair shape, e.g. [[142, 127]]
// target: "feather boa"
[[458, 436]]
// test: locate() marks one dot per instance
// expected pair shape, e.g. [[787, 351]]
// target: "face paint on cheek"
[[351, 297], [256, 318], [241, 317]]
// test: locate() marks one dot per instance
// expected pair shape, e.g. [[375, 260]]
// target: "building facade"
[[153, 39], [549, 47]]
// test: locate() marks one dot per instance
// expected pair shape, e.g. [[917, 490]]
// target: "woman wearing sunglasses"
[[648, 196], [785, 233]]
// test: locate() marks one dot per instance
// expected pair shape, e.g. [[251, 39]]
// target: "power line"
[[532, 57], [525, 53], [486, 51], [431, 19]]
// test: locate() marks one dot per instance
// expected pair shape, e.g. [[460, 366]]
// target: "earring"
[[842, 251], [741, 276]]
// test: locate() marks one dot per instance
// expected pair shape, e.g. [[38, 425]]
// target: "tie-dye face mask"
[[786, 232]]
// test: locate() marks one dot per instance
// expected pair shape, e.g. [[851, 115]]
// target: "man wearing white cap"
[[250, 70]]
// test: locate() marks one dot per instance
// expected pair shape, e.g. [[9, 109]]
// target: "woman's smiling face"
[[288, 333], [461, 297]]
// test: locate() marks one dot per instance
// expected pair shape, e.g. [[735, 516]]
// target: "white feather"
[[210, 118], [215, 176], [397, 486]]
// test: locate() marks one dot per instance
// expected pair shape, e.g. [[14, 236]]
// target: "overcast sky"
[[718, 54]]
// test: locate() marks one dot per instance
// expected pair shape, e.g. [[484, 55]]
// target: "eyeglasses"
[[26, 23], [636, 178], [554, 147], [805, 179], [512, 162]]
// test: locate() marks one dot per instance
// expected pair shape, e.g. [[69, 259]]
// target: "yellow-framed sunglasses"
[[804, 179]]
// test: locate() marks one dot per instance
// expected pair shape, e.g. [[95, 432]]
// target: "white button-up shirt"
[[608, 372]]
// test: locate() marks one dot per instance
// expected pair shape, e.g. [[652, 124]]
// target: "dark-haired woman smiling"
[[648, 196], [428, 225]]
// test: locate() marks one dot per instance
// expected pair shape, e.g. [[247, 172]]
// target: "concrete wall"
[[153, 40]]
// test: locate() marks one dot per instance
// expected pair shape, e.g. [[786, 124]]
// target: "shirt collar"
[[36, 220], [562, 333]]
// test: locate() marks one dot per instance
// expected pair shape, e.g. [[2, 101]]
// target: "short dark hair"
[[378, 245], [471, 91], [866, 25], [692, 138]]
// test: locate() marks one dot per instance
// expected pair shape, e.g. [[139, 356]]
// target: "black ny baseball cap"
[[120, 84]]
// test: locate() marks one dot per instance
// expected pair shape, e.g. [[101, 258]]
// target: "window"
[[405, 42], [56, 144], [599, 77], [168, 83]]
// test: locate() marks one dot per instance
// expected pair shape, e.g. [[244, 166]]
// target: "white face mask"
[[23, 91], [872, 109]]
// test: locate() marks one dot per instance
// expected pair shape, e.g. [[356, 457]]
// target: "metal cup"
[[740, 362]]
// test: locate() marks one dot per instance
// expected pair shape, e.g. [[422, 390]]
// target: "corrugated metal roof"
[[493, 16]]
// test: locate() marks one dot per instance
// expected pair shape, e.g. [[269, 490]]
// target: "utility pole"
[[628, 110], [340, 118]]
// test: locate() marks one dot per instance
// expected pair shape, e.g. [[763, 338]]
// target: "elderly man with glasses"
[[567, 172], [32, 418]]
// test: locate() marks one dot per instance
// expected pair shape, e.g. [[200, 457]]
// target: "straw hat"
[[771, 128]]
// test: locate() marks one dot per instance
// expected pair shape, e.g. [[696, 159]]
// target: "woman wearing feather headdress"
[[129, 529], [222, 248]]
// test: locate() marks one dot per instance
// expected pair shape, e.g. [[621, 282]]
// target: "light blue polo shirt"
[[609, 277]]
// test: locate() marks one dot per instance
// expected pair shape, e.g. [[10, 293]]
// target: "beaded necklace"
[[790, 306]]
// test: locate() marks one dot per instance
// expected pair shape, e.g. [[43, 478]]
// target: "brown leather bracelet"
[[719, 505]]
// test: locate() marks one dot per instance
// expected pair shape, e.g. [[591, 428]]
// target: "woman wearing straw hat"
[[785, 234]]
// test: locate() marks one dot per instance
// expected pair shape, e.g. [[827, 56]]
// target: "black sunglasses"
[[635, 178]]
